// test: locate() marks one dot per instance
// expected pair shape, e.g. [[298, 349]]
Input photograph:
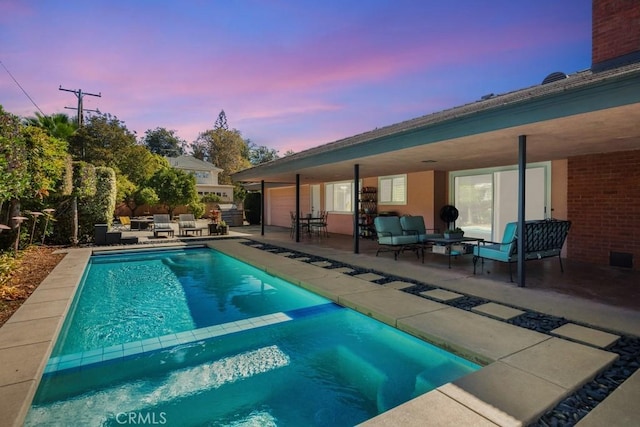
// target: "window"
[[393, 190], [339, 196]]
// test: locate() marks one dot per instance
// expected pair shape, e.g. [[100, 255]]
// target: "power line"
[[21, 88]]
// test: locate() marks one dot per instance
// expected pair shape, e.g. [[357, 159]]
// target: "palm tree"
[[57, 125]]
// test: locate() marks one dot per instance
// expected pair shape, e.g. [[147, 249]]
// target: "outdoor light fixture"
[[35, 215], [18, 220]]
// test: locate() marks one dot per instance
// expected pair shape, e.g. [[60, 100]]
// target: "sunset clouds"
[[289, 74]]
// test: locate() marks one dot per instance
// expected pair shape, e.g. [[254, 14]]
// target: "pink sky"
[[290, 75]]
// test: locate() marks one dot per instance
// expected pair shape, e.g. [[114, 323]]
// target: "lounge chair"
[[391, 237], [124, 224], [186, 224], [162, 224]]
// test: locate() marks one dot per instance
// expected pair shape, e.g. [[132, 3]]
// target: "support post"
[[522, 173], [262, 207], [297, 207], [356, 210]]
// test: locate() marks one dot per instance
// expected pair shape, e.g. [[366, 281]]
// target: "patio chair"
[[123, 225], [162, 224], [319, 225], [186, 224], [414, 226], [304, 226], [391, 238]]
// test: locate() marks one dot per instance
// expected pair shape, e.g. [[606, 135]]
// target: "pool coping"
[[539, 369]]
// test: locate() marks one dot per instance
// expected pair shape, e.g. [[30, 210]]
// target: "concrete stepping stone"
[[321, 264], [441, 295], [497, 311], [586, 335], [345, 270], [370, 277], [398, 284]]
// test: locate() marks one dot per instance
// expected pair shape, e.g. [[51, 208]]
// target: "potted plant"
[[454, 233], [223, 227]]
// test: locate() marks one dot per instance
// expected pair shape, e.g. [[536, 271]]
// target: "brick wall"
[[603, 202], [615, 29]]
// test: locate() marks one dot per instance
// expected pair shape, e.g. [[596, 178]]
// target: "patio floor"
[[526, 370]]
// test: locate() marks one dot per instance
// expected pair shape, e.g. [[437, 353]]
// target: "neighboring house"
[[206, 176], [579, 135]]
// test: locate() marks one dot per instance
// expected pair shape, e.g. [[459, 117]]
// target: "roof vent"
[[554, 77]]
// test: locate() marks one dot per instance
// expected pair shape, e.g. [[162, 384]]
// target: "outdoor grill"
[[230, 213]]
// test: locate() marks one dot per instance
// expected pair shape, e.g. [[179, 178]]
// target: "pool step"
[[132, 349]]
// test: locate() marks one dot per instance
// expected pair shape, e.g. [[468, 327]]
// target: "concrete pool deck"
[[525, 372]]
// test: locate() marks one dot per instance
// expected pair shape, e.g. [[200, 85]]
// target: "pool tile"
[[70, 364], [89, 360], [131, 351], [169, 337], [92, 353], [130, 345], [150, 346], [586, 335], [68, 357]]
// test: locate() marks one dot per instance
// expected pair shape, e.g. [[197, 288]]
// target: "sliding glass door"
[[488, 199]]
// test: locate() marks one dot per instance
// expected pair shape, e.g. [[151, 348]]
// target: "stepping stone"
[[398, 284], [345, 270], [497, 311], [285, 253], [302, 258], [441, 295], [321, 263], [586, 335], [257, 245], [370, 277]]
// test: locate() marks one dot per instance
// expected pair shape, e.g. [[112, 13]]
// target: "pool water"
[[194, 337]]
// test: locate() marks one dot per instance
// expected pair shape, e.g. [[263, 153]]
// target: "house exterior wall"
[[615, 29], [603, 204], [282, 201], [426, 194]]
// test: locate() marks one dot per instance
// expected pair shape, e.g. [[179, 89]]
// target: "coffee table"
[[448, 243]]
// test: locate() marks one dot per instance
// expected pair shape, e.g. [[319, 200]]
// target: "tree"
[[261, 154], [224, 148], [174, 187], [164, 142], [32, 163], [100, 140], [57, 125]]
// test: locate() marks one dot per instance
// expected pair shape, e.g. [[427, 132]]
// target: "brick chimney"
[[615, 33]]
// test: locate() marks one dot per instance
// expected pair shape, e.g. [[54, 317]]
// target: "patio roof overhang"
[[585, 113]]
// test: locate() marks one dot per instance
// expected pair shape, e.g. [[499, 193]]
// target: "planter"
[[215, 229]]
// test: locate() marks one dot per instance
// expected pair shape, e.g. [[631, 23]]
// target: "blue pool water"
[[194, 337]]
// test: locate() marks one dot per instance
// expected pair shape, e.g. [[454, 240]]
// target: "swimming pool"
[[194, 337]]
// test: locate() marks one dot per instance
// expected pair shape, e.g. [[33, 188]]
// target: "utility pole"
[[74, 200], [80, 94]]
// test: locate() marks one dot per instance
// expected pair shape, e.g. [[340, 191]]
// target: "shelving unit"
[[367, 212]]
